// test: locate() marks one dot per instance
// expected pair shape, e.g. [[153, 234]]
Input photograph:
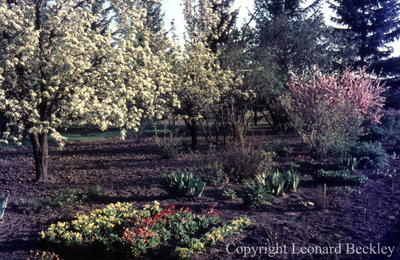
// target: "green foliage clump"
[[274, 182], [341, 177], [94, 192], [27, 205], [67, 196], [280, 148], [292, 179], [212, 237], [386, 173], [255, 195], [278, 182], [64, 197], [229, 194], [183, 184], [371, 155]]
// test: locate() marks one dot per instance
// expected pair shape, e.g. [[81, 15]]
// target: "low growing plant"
[[43, 255], [292, 178], [120, 227], [371, 155], [212, 237], [387, 173], [255, 195], [278, 182], [341, 177], [28, 205], [67, 196], [213, 167], [273, 181], [278, 147], [229, 194], [183, 184], [62, 198], [94, 192]]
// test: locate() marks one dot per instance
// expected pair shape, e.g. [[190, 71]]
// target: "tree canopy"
[[58, 69], [371, 26]]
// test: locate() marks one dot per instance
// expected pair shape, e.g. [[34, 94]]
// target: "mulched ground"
[[129, 171]]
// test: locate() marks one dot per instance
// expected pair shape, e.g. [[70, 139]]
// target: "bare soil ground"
[[129, 171]]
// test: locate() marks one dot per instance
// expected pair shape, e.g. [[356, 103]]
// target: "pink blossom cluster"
[[359, 90]]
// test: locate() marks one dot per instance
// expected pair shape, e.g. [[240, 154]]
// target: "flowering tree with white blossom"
[[201, 82], [60, 64]]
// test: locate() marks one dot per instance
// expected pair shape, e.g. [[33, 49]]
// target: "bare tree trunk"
[[41, 156], [255, 115], [191, 124]]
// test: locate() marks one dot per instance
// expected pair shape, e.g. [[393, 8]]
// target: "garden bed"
[[129, 171]]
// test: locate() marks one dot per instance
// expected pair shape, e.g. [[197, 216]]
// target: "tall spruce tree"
[[371, 25], [290, 37], [291, 32]]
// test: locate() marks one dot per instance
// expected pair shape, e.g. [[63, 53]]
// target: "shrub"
[[387, 131], [242, 163], [342, 177], [183, 184], [255, 195], [170, 149], [281, 149], [371, 155], [213, 167], [327, 110]]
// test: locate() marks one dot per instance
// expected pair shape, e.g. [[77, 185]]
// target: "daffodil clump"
[[121, 228], [98, 227]]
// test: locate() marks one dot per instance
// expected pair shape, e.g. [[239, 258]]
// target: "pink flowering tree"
[[328, 110]]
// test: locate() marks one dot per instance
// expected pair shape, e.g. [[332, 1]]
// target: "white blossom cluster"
[[56, 69], [202, 83]]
